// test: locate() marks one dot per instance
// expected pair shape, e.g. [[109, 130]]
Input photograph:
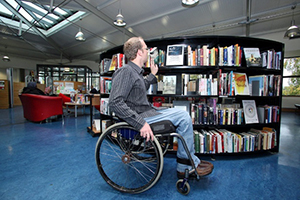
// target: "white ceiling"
[[152, 19]]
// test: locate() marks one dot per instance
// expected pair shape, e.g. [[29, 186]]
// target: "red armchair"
[[37, 108]]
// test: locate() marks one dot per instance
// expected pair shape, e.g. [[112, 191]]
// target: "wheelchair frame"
[[122, 149]]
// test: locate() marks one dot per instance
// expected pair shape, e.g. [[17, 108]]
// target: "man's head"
[[135, 48]]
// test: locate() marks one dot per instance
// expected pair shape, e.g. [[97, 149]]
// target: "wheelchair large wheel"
[[126, 161]]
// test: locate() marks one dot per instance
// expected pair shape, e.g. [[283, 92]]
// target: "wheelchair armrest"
[[161, 127]]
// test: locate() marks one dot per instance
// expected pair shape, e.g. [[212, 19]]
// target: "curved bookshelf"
[[214, 70]]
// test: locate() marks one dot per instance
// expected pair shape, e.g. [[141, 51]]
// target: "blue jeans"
[[182, 120]]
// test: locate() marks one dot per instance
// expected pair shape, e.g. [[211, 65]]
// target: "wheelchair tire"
[[183, 189], [126, 161]]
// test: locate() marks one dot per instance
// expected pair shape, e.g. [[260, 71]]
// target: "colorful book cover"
[[253, 57], [257, 85], [240, 84]]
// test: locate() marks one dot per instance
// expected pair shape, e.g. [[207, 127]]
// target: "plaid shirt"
[[128, 97]]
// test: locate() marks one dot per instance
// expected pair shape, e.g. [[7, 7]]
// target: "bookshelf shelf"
[[217, 44]]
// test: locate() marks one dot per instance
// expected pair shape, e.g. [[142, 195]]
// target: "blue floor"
[[56, 161]]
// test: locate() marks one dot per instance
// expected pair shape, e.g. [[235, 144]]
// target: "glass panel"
[[291, 66], [291, 76], [95, 83], [42, 80], [291, 86], [38, 14]]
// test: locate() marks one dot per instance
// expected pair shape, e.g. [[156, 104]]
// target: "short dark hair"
[[131, 47]]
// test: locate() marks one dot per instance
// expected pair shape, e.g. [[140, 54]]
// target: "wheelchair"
[[129, 163]]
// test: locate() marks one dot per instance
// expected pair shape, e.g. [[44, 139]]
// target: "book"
[[117, 61], [253, 57], [169, 85], [261, 114], [197, 141], [250, 111], [175, 55], [256, 84], [104, 65], [105, 124], [96, 124], [241, 86]]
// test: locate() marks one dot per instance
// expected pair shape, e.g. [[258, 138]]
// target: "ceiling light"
[[189, 2], [119, 20], [293, 31], [6, 58], [80, 36]]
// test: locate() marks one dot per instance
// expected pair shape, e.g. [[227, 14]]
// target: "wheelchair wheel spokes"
[[126, 161]]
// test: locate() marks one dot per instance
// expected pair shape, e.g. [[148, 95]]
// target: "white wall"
[[289, 102]]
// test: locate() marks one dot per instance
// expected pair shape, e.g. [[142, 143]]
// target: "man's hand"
[[146, 132], [153, 67]]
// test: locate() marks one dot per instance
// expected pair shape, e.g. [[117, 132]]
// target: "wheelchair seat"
[[163, 127]]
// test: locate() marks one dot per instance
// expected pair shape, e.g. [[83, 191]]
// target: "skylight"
[[37, 15]]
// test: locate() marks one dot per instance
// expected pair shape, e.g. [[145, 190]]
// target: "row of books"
[[202, 84], [105, 85], [201, 56], [223, 56], [211, 56], [217, 114], [192, 84], [225, 141], [157, 55], [104, 108], [235, 83], [107, 64], [228, 84], [211, 113], [265, 85], [271, 59], [268, 113]]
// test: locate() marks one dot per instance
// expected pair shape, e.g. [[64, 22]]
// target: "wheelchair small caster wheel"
[[183, 187]]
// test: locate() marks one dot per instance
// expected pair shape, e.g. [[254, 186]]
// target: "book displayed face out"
[[175, 55]]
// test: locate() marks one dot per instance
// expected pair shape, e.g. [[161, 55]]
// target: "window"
[[40, 16], [291, 77]]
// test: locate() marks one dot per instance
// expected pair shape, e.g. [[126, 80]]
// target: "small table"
[[76, 105]]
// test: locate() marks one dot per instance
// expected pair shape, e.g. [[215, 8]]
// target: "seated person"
[[32, 89], [128, 100], [94, 90]]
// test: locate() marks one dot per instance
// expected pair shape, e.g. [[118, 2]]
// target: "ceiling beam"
[[49, 40], [104, 17]]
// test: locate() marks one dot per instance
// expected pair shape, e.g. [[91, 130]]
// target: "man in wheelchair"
[[128, 100]]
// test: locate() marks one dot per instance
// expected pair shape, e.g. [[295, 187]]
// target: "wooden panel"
[[18, 87], [96, 100], [4, 95], [41, 87]]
